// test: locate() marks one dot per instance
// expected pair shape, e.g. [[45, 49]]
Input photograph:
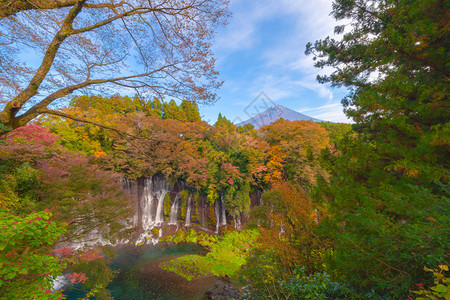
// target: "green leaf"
[[440, 288], [10, 276]]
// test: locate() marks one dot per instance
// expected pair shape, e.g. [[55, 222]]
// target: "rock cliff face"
[[159, 202], [274, 113]]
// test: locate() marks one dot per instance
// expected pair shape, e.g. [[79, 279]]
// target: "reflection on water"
[[141, 278]]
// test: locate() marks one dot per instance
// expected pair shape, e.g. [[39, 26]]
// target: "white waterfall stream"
[[222, 206], [281, 229], [188, 211], [153, 193], [217, 210], [149, 195], [150, 205], [161, 189], [173, 218], [147, 204]]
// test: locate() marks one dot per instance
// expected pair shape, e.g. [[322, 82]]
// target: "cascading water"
[[222, 206], [147, 205], [217, 210], [150, 194], [161, 188], [188, 211], [173, 218], [153, 193]]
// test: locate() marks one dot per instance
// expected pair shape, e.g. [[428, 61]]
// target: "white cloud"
[[278, 65], [333, 112], [319, 109], [240, 32], [316, 87], [275, 87], [314, 17]]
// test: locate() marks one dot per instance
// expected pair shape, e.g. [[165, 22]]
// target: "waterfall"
[[153, 193], [60, 282], [188, 211], [217, 209], [149, 195], [173, 218], [161, 189], [156, 240], [147, 204], [224, 217]]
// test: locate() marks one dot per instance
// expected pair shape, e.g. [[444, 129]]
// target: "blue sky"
[[260, 57], [260, 54]]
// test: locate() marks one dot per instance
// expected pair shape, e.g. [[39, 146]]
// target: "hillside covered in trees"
[[292, 210]]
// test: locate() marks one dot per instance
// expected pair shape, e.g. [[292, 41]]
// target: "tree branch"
[[9, 8], [67, 116], [37, 108], [121, 133], [14, 106]]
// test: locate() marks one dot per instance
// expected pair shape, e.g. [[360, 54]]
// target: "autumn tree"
[[87, 205], [389, 189], [38, 174], [286, 220], [28, 267], [173, 141], [160, 48], [336, 131], [299, 143], [225, 123]]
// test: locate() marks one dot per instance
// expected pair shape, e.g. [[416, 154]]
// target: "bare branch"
[[9, 8], [13, 107], [42, 105], [81, 120], [121, 133]]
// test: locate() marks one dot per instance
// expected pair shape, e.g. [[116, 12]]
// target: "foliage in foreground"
[[388, 198], [37, 173], [287, 220], [315, 286], [441, 287], [225, 258], [27, 266]]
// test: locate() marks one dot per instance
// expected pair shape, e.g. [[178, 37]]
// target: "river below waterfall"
[[141, 278]]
